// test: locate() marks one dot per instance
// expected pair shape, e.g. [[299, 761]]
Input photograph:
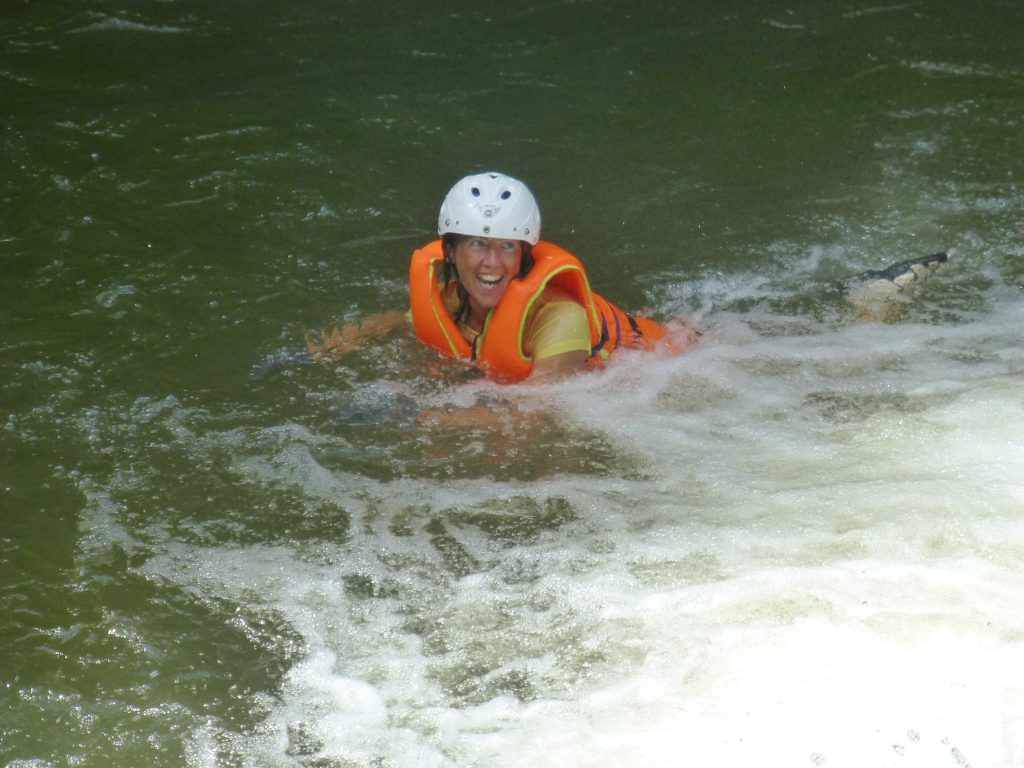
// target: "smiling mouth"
[[489, 281]]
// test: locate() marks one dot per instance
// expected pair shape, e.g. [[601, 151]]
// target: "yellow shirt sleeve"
[[556, 323]]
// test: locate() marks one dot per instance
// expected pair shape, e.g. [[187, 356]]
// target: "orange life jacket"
[[499, 347]]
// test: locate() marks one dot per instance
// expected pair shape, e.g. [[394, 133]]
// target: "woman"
[[492, 293]]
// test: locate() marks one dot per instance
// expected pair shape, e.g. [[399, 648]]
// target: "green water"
[[188, 187]]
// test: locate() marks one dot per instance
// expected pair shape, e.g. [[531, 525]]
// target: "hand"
[[337, 343], [352, 336]]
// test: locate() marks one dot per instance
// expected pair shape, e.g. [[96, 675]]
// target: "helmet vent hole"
[[475, 191], [506, 195]]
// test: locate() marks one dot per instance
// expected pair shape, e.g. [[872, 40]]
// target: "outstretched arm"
[[352, 337]]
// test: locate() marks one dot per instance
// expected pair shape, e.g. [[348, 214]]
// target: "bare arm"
[[352, 337], [559, 366]]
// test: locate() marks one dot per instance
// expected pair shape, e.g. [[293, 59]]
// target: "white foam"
[[116, 24], [817, 563]]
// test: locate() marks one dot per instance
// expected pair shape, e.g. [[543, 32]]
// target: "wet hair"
[[451, 274]]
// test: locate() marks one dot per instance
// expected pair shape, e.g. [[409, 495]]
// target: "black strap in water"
[[604, 337], [897, 269], [634, 326]]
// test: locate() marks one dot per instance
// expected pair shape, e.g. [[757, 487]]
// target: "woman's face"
[[485, 266]]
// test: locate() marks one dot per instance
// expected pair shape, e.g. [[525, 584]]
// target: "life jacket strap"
[[605, 335], [634, 326]]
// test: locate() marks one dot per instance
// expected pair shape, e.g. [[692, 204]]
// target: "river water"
[[799, 544]]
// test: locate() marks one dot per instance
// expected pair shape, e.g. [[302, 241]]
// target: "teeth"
[[489, 279]]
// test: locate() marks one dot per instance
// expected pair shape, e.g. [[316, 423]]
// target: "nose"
[[493, 253]]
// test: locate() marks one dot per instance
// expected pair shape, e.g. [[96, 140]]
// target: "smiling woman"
[[798, 544], [487, 265], [492, 293]]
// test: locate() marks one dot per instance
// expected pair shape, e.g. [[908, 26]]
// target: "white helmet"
[[490, 205]]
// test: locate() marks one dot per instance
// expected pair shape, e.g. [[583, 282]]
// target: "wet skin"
[[486, 265]]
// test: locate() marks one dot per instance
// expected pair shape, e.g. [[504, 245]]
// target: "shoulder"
[[556, 323], [554, 294], [555, 301]]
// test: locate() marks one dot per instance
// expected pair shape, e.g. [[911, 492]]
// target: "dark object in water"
[[876, 294], [902, 274]]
